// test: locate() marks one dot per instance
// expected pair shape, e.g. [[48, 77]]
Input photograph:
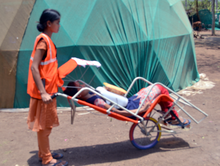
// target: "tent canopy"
[[130, 38]]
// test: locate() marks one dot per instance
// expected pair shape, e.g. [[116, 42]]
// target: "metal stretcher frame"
[[142, 121], [175, 100], [108, 111]]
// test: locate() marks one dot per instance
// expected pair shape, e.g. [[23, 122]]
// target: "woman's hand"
[[46, 98]]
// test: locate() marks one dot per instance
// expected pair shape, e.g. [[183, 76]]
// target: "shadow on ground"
[[105, 153], [210, 42]]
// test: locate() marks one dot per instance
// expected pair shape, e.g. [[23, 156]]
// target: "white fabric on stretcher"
[[120, 100], [83, 62]]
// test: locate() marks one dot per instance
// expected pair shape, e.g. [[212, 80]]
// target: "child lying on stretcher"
[[133, 102]]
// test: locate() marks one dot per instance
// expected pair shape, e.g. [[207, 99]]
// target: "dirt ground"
[[95, 139]]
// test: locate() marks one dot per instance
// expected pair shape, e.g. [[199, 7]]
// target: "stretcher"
[[145, 131]]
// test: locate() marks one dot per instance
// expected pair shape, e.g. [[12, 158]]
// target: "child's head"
[[71, 90], [47, 17], [74, 87]]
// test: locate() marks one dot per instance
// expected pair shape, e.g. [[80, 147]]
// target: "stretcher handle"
[[54, 95]]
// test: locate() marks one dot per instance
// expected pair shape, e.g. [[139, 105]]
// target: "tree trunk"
[[213, 17], [197, 9]]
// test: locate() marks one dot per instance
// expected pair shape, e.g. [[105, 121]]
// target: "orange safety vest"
[[47, 68]]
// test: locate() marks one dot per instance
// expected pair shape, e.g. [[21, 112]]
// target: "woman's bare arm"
[[36, 75]]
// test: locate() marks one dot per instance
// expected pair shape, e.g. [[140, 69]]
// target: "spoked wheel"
[[145, 135]]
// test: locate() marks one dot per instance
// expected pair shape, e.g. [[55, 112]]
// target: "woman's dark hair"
[[47, 15], [71, 90]]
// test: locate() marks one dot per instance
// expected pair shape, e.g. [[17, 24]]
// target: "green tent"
[[148, 38], [205, 16]]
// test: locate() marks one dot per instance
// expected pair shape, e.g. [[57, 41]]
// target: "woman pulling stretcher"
[[133, 102]]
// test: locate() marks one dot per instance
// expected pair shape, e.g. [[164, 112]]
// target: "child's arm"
[[36, 75], [125, 113]]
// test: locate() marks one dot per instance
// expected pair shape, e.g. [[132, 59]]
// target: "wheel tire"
[[140, 139]]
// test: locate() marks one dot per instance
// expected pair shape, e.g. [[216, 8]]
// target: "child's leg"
[[44, 146], [166, 105]]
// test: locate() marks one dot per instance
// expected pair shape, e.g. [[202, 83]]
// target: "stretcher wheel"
[[145, 135]]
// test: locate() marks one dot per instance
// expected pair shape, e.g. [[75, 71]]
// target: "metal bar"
[[86, 88], [179, 97], [85, 84], [187, 113], [182, 98], [72, 111], [131, 85], [142, 102], [186, 100], [135, 114], [109, 110]]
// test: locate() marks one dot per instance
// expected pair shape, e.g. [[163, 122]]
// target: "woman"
[[42, 82]]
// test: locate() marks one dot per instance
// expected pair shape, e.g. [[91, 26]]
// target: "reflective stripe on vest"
[[47, 69], [51, 60], [47, 62]]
